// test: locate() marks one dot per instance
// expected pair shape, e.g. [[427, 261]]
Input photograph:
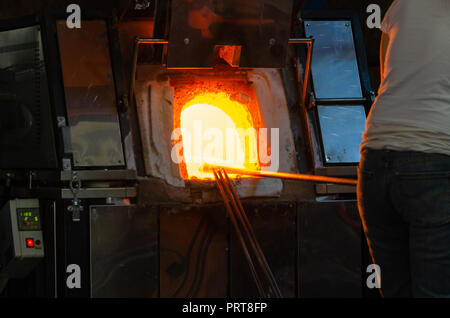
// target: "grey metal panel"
[[342, 128], [90, 95], [123, 251], [251, 24], [334, 66], [193, 251], [329, 250]]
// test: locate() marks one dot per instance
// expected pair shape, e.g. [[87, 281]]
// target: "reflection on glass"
[[342, 128], [90, 94], [334, 66]]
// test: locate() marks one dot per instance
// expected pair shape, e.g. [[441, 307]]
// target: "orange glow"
[[219, 123]]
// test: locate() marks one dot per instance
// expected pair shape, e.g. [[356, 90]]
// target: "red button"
[[30, 242]]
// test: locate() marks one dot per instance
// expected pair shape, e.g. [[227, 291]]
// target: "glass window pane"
[[342, 128], [90, 94], [334, 66]]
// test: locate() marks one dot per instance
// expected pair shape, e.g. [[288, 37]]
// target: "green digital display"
[[28, 219]]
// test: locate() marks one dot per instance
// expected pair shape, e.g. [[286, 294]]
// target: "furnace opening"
[[218, 124]]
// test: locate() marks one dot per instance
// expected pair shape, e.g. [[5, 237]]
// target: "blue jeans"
[[404, 204]]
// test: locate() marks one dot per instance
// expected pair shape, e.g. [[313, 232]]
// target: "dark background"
[[125, 9]]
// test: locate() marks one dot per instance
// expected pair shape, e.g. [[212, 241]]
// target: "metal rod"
[[239, 234], [300, 40], [226, 195], [152, 41], [281, 175], [251, 234], [137, 42], [253, 243], [310, 42]]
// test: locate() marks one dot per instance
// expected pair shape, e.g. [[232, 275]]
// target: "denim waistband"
[[397, 158], [402, 154]]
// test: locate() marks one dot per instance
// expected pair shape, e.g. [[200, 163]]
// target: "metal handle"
[[310, 42]]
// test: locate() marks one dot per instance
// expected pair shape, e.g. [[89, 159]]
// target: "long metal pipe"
[[281, 175], [234, 220], [251, 234]]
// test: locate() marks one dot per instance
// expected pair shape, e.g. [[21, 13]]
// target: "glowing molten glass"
[[217, 129]]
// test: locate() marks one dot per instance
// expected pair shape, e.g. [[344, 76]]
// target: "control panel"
[[21, 239]]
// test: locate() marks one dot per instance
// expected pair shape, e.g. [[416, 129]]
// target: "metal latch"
[[76, 208]]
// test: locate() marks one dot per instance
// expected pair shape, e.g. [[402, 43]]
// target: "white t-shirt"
[[412, 110]]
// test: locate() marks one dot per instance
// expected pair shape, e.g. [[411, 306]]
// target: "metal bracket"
[[31, 175], [61, 121]]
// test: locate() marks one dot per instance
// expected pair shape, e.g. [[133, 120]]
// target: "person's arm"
[[383, 49]]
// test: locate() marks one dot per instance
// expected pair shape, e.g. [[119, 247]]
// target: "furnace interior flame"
[[219, 125]]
